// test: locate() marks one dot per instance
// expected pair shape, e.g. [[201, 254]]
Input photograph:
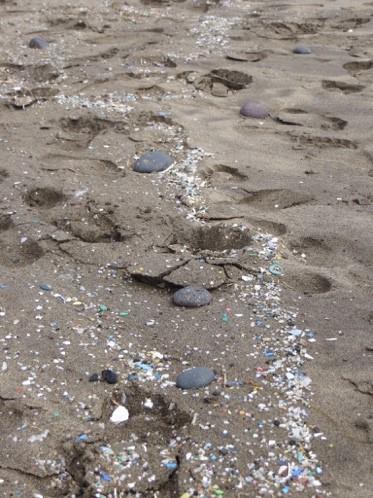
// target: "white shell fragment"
[[120, 414]]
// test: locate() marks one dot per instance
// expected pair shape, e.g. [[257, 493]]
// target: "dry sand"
[[294, 190]]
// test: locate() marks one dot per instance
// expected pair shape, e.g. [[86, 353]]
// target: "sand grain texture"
[[91, 252]]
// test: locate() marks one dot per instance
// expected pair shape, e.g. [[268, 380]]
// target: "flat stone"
[[154, 267], [300, 49], [151, 162], [194, 378], [38, 42], [251, 109], [192, 297], [197, 273]]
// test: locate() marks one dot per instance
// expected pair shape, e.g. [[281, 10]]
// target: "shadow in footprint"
[[344, 87], [275, 199], [15, 254], [308, 283], [217, 237], [356, 66], [44, 197]]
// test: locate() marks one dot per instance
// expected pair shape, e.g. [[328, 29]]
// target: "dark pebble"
[[300, 49], [109, 376], [192, 297], [45, 287], [38, 42], [194, 378], [153, 162], [254, 110], [94, 378]]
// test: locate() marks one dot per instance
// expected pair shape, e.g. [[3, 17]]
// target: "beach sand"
[[272, 215]]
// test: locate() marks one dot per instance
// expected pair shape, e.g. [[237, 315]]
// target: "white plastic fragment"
[[148, 403], [38, 437], [119, 415]]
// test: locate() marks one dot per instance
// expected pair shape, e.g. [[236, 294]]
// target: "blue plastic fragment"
[[285, 490], [275, 269], [132, 377], [170, 465], [143, 366], [82, 437], [296, 472], [105, 477]]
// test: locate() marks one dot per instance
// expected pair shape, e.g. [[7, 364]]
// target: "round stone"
[[252, 109], [192, 297], [194, 378], [38, 42], [300, 49], [153, 162], [109, 376]]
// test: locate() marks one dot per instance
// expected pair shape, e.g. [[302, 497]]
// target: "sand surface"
[[273, 216]]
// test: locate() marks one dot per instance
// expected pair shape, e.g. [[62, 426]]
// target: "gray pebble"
[[153, 162], [38, 42], [192, 297], [300, 49], [252, 109], [45, 287], [194, 378]]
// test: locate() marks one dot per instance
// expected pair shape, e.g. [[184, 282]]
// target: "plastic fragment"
[[275, 269], [83, 438], [119, 415], [105, 476]]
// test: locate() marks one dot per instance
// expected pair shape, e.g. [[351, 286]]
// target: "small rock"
[[252, 109], [153, 162], [194, 378], [120, 414], [45, 287], [109, 376], [38, 42], [192, 297], [300, 49], [94, 378]]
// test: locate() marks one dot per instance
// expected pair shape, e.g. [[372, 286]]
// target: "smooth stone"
[[192, 297], [45, 287], [153, 162], [38, 42], [194, 378], [109, 376], [254, 110], [300, 49]]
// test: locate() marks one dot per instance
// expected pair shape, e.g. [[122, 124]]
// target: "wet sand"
[[272, 215]]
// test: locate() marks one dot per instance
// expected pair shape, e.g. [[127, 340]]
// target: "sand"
[[272, 215]]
